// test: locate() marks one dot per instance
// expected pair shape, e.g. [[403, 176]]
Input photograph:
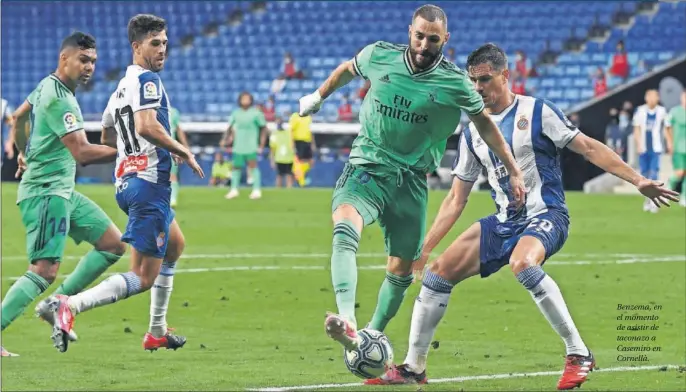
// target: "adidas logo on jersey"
[[385, 79]]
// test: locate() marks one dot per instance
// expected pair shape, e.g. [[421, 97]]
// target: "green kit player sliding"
[[413, 106], [247, 126], [177, 134], [50, 208], [676, 139]]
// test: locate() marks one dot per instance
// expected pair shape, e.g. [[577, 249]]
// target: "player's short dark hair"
[[244, 93], [431, 13], [78, 40], [143, 24], [488, 54]]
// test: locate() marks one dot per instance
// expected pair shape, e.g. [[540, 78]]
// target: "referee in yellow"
[[301, 130]]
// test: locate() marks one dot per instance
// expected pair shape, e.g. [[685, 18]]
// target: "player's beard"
[[430, 57]]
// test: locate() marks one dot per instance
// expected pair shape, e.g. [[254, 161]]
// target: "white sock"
[[159, 299], [429, 308], [110, 290], [549, 299]]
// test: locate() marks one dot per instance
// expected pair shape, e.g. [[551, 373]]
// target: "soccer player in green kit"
[[177, 134], [50, 208], [676, 139], [413, 106], [247, 125]]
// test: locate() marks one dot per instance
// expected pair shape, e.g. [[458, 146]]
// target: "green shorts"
[[398, 202], [239, 160], [679, 160], [49, 219]]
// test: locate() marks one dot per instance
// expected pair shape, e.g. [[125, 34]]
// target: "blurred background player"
[[139, 111], [649, 121], [221, 171], [179, 135], [282, 154], [247, 128], [49, 206], [305, 147], [413, 107], [6, 125], [676, 138], [536, 130]]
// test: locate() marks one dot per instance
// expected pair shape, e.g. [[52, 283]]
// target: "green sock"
[[92, 265], [175, 191], [683, 188], [391, 296], [256, 179], [235, 179], [344, 267], [22, 293]]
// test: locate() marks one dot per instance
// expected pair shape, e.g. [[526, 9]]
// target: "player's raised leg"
[[89, 223], [357, 202], [158, 335], [526, 261]]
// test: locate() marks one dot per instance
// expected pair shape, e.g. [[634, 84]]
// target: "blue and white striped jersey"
[[139, 89], [536, 130]]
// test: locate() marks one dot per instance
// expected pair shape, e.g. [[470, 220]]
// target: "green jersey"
[[174, 120], [281, 143], [407, 116], [50, 166], [677, 120], [246, 129]]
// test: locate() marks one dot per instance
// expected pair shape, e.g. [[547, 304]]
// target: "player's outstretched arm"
[[496, 142], [150, 129], [85, 153], [450, 211], [341, 76], [602, 156]]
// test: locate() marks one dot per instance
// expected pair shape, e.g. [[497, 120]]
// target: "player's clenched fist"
[[310, 104]]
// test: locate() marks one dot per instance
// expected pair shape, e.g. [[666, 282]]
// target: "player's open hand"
[[656, 192], [518, 189], [21, 165], [418, 266], [310, 104], [195, 166]]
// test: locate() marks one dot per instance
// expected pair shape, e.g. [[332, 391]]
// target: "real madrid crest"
[[523, 123]]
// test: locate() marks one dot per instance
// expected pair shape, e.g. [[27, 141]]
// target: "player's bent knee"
[[350, 213], [111, 242], [398, 266], [46, 269]]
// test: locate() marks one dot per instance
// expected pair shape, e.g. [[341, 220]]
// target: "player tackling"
[[139, 112], [413, 106], [536, 130]]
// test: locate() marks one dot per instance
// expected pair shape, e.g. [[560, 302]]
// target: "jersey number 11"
[[127, 130]]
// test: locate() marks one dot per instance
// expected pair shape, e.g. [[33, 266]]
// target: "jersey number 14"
[[127, 129]]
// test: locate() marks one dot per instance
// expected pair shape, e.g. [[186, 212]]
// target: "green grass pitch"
[[254, 285]]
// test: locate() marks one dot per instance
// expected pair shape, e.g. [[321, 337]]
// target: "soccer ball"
[[373, 356]]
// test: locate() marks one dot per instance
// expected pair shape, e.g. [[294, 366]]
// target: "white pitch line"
[[464, 378], [327, 255], [666, 259]]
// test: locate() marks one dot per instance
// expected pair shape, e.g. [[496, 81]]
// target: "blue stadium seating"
[[248, 56]]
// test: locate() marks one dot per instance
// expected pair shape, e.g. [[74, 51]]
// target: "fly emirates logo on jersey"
[[400, 110], [132, 164]]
